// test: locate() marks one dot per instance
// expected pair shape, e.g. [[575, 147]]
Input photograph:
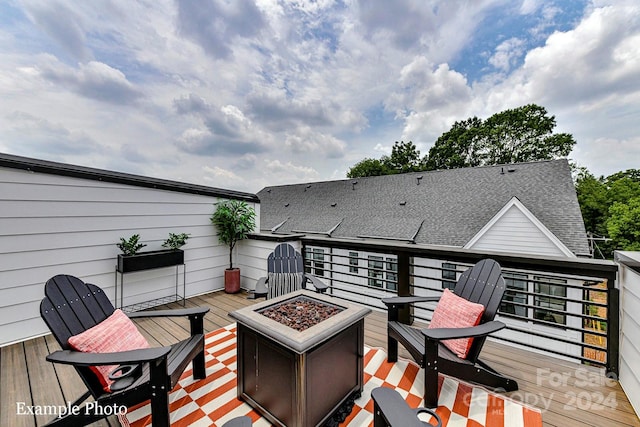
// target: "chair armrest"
[[439, 334], [317, 283], [399, 301], [261, 286], [78, 358], [186, 312], [394, 410]]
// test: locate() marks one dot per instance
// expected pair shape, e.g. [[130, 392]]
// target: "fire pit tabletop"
[[300, 341]]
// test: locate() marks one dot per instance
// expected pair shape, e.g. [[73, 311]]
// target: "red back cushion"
[[453, 311], [114, 334]]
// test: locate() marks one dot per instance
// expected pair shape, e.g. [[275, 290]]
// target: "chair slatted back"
[[285, 259], [483, 284], [70, 307], [285, 268]]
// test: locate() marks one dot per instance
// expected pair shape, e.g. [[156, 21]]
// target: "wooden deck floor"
[[568, 394]]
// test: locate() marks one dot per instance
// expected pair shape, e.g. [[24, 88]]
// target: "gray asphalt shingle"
[[449, 207]]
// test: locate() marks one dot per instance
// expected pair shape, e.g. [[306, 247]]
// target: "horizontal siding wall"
[[629, 333], [514, 232], [52, 224]]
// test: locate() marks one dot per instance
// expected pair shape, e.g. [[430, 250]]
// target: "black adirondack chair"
[[71, 306], [483, 284], [285, 273]]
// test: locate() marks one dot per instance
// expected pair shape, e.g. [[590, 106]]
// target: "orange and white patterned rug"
[[212, 401]]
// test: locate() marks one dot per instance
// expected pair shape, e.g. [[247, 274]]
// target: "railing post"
[[613, 326], [405, 315]]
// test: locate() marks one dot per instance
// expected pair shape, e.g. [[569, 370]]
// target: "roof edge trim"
[[83, 172]]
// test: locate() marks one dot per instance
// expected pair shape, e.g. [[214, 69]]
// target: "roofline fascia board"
[[305, 232], [530, 216], [397, 239], [83, 172]]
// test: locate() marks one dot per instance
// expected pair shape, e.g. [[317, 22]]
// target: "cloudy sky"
[[241, 94]]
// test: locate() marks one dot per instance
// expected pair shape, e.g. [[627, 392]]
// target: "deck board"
[[25, 373]]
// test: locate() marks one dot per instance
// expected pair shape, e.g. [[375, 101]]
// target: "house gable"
[[515, 229]]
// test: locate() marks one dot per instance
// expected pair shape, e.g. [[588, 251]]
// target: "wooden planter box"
[[150, 260]]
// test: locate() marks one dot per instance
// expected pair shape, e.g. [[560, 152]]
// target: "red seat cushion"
[[453, 311], [114, 334]]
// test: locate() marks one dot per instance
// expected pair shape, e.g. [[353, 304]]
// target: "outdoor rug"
[[212, 401]]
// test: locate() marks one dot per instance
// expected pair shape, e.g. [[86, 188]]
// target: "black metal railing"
[[568, 307]]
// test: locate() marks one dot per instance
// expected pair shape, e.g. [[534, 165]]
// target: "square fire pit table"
[[309, 372]]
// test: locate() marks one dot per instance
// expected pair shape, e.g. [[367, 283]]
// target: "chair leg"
[[199, 368], [378, 419], [160, 410], [159, 393], [430, 364], [392, 349]]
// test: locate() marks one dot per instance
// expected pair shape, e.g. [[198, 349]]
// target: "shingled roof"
[[447, 207]]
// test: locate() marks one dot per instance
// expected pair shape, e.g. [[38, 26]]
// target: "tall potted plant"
[[234, 220]]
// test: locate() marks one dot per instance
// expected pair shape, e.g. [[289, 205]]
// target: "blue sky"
[[241, 94]]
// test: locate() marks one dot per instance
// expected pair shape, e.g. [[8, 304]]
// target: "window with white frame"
[[550, 296], [448, 275], [512, 298], [383, 272], [353, 262], [314, 261], [547, 295], [376, 271], [392, 274]]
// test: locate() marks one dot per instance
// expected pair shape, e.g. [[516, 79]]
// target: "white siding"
[[52, 224], [514, 232], [629, 333]]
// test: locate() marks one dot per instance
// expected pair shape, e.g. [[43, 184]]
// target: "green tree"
[[623, 224], [458, 147], [404, 158], [521, 134], [368, 167], [609, 208], [592, 197]]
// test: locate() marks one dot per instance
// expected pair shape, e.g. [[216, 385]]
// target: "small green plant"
[[176, 241], [131, 246]]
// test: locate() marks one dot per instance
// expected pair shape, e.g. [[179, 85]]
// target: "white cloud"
[[254, 93], [306, 141], [94, 80], [507, 53], [60, 22]]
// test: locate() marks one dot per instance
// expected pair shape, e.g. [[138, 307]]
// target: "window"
[[314, 262], [448, 276], [353, 262], [511, 300], [546, 289], [392, 274], [546, 294], [376, 271], [383, 273]]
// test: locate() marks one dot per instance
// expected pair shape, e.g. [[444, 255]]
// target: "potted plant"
[[234, 220], [132, 260]]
